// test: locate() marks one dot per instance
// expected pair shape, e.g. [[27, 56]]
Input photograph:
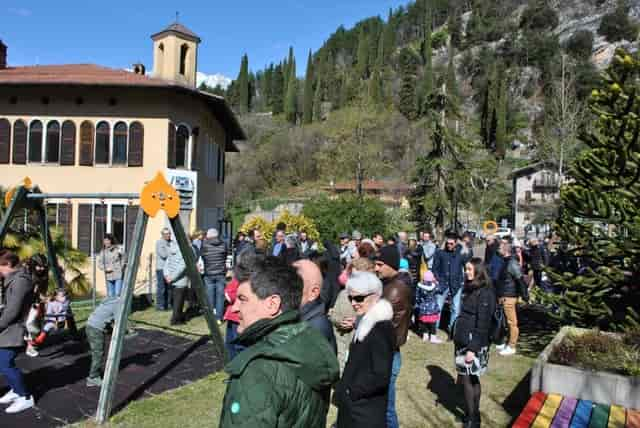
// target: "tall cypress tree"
[[427, 82], [291, 98], [407, 103], [317, 102], [363, 55], [243, 84], [389, 38], [501, 117], [277, 90], [375, 87], [307, 109], [453, 98]]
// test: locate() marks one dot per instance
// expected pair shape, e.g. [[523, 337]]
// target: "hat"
[[356, 235], [364, 283], [428, 277], [390, 256], [404, 264], [345, 235]]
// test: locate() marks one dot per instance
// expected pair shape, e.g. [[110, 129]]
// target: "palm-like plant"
[[26, 242]]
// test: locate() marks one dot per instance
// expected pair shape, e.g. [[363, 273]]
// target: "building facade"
[[84, 128], [536, 194]]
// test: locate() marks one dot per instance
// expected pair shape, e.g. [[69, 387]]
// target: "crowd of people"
[[307, 323]]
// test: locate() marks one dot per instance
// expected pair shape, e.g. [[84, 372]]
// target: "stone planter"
[[600, 387]]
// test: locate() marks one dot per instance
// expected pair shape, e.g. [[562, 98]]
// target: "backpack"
[[498, 327]]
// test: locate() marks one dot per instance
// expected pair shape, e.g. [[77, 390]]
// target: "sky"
[[116, 33]]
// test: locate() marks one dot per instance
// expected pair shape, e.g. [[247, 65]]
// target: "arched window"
[[87, 138], [120, 144], [35, 141], [136, 144], [182, 146], [19, 142], [68, 144], [103, 134], [5, 140], [52, 148], [184, 50]]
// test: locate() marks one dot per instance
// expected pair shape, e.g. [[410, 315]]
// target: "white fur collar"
[[381, 311]]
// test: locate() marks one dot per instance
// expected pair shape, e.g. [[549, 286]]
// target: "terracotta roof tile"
[[77, 74], [178, 28]]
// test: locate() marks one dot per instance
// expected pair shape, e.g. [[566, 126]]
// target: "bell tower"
[[175, 55]]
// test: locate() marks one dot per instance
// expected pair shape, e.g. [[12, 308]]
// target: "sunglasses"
[[360, 298]]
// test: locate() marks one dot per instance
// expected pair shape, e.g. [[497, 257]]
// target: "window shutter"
[[35, 141], [101, 226], [195, 158], [132, 214], [5, 140], [86, 143], [65, 212], [68, 149], [103, 143], [84, 228], [19, 142], [171, 155], [136, 144]]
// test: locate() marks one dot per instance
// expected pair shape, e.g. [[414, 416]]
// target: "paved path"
[[152, 362]]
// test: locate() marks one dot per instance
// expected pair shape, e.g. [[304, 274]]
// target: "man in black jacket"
[[311, 306], [509, 286], [214, 256]]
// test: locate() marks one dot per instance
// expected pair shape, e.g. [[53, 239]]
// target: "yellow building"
[[84, 128]]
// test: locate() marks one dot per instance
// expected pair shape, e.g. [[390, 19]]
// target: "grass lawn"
[[427, 394]]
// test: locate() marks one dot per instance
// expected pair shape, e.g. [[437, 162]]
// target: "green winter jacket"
[[283, 379]]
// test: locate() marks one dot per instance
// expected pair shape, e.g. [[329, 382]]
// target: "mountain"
[[212, 80]]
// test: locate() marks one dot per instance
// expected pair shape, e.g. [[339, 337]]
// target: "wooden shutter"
[[103, 143], [132, 214], [19, 142], [171, 154], [65, 220], [5, 141], [84, 228], [87, 135], [68, 149], [195, 158], [136, 144], [100, 222], [35, 141]]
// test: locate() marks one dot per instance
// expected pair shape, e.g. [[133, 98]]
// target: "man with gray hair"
[[163, 291], [284, 376], [214, 255]]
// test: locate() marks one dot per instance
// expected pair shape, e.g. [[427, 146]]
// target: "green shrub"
[[539, 16], [617, 25], [580, 44], [439, 39]]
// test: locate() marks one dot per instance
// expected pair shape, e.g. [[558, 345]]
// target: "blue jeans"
[[114, 287], [214, 286], [392, 416], [232, 333], [455, 306], [164, 296], [11, 372]]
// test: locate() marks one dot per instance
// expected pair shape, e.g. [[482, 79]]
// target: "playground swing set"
[[157, 195]]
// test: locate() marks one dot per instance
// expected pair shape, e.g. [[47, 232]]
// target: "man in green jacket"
[[284, 376]]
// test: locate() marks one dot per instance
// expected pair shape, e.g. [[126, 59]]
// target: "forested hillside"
[[448, 95]]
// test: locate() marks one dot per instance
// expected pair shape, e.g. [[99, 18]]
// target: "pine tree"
[[363, 55], [389, 38], [427, 80], [307, 109], [243, 84], [407, 103], [453, 96], [291, 99], [600, 209]]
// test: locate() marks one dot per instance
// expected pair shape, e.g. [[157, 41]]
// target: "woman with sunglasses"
[[471, 336], [361, 395]]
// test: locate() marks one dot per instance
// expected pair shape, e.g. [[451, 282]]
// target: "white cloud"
[[20, 11], [212, 80]]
